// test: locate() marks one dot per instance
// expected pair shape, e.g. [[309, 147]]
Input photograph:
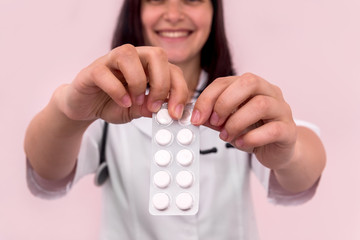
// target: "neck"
[[191, 71]]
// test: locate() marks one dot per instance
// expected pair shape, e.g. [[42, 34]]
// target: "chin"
[[177, 58]]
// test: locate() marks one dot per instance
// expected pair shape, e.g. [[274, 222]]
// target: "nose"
[[174, 11]]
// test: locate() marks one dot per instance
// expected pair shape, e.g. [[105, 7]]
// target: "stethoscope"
[[102, 172]]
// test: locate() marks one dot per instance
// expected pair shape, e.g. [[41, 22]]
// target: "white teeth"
[[174, 34]]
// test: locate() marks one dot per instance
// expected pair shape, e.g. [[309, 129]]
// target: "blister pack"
[[174, 171]]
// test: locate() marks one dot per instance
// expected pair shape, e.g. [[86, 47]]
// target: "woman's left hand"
[[252, 115]]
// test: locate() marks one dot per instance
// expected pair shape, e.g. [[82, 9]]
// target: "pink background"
[[308, 48]]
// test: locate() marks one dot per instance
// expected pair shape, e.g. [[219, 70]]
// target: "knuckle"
[[277, 91], [126, 48], [159, 89], [162, 83], [136, 84], [222, 80], [288, 109], [221, 105], [262, 103], [248, 75], [123, 51], [98, 72], [158, 53], [275, 131], [249, 80]]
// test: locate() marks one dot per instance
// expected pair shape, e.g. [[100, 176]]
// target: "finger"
[[113, 113], [258, 108], [126, 61], [273, 132], [178, 92], [157, 68], [206, 101], [238, 93], [107, 82], [137, 111]]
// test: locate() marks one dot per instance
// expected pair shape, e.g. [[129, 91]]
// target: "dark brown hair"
[[215, 55]]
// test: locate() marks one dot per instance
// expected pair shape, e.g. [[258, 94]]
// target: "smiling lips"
[[174, 34]]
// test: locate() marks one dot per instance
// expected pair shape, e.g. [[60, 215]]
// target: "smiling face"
[[181, 27]]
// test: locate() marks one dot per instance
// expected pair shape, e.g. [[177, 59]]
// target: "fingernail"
[[195, 118], [139, 100], [156, 106], [214, 119], [179, 111], [126, 101], [224, 135]]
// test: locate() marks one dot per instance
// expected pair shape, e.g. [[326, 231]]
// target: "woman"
[[182, 48]]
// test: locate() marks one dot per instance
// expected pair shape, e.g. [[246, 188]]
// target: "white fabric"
[[225, 209], [225, 203]]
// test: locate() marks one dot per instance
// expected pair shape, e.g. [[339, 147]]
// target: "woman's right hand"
[[113, 87]]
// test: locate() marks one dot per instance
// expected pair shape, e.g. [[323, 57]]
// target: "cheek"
[[204, 23], [144, 19], [150, 17], [203, 19], [146, 25]]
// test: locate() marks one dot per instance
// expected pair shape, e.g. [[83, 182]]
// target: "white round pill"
[[162, 179], [162, 158], [163, 117], [163, 137], [184, 157], [186, 117], [161, 201], [184, 179], [184, 201], [185, 136]]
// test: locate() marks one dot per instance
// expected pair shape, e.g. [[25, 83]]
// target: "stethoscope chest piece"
[[101, 174]]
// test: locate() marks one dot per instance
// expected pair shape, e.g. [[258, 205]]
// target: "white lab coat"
[[225, 207]]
